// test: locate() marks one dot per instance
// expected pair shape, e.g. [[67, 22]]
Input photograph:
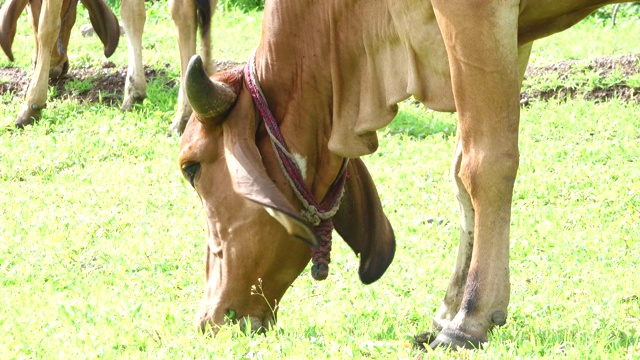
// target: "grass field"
[[102, 241]]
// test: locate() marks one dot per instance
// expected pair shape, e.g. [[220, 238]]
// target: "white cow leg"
[[455, 290], [133, 19], [48, 30], [184, 18]]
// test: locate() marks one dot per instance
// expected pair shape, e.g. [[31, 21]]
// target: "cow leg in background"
[[48, 30], [482, 48], [205, 34], [59, 59], [184, 15], [133, 18]]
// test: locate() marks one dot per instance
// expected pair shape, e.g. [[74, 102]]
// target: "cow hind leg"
[[133, 19]]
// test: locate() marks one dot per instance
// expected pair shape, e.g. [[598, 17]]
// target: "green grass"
[[588, 39], [235, 36], [101, 251]]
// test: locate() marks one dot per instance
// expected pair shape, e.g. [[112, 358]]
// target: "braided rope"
[[317, 214]]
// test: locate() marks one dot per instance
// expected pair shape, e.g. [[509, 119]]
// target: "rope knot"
[[311, 215]]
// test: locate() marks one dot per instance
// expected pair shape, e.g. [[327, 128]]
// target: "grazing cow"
[[274, 137], [53, 20]]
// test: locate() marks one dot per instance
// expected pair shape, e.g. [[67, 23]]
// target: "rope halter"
[[317, 214]]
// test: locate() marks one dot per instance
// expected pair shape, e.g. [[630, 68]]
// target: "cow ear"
[[9, 15], [361, 222], [105, 24], [250, 178]]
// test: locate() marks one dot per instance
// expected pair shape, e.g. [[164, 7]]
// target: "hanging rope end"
[[319, 271]]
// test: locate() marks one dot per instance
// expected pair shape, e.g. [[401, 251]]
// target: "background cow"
[[53, 20], [332, 73]]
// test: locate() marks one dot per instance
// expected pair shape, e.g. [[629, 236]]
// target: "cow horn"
[[208, 98]]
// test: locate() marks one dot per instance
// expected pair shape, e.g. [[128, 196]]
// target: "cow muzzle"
[[210, 322]]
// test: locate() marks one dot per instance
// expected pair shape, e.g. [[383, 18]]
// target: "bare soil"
[[108, 81], [627, 65]]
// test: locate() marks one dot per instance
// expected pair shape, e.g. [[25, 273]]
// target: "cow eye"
[[190, 171]]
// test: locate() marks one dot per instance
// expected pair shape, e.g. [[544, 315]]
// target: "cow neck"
[[318, 214]]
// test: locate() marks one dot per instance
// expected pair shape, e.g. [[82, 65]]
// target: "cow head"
[[253, 230], [102, 18]]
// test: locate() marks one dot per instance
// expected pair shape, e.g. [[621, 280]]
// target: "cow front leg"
[[488, 177], [481, 42], [458, 281], [133, 19], [47, 34], [455, 290]]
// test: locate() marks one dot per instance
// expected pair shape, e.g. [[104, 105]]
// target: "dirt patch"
[[622, 92], [621, 67], [106, 84]]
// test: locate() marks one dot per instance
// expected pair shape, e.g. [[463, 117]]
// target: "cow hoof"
[[455, 340], [131, 100], [178, 125], [499, 318], [423, 340], [440, 323], [28, 116]]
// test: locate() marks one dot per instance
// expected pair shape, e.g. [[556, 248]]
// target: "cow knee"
[[489, 171], [182, 11]]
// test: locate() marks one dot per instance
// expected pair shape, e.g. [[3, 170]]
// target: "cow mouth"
[[255, 325], [209, 324]]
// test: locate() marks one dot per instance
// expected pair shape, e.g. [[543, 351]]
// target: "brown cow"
[[332, 73], [53, 20]]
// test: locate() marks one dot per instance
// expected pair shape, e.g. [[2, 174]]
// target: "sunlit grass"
[[101, 251], [588, 39]]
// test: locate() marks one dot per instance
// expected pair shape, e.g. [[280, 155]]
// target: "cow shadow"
[[416, 121]]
